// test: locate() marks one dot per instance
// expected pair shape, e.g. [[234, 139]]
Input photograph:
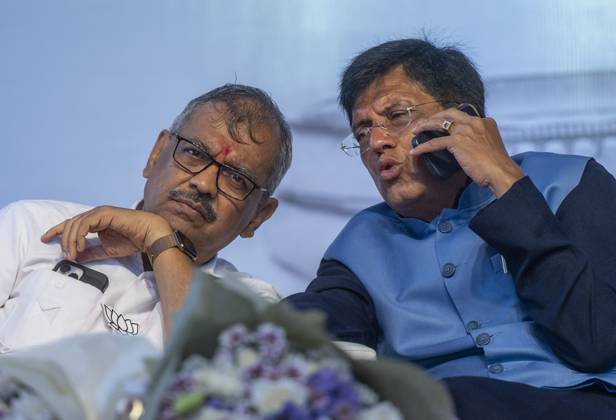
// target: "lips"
[[192, 207], [389, 168]]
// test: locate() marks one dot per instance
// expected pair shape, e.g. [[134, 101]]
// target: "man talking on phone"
[[494, 272], [68, 269]]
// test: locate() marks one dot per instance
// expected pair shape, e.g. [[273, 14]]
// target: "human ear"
[[264, 212], [155, 153]]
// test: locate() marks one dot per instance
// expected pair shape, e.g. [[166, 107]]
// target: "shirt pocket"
[[499, 264], [48, 306]]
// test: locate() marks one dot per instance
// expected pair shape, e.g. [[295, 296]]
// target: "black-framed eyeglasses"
[[399, 118], [191, 157]]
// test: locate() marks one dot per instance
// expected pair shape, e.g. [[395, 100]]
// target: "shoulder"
[[379, 213], [554, 175], [38, 215], [44, 209], [372, 220], [551, 162], [370, 226], [23, 222]]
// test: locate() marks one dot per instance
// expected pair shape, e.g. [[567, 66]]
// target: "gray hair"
[[249, 106]]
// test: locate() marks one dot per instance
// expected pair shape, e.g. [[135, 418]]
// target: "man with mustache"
[[497, 273], [209, 178]]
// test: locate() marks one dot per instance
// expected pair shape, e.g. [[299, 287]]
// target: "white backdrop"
[[85, 86]]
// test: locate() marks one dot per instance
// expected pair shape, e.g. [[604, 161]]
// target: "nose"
[[380, 140], [205, 181]]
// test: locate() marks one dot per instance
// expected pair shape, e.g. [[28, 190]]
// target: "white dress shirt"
[[38, 305]]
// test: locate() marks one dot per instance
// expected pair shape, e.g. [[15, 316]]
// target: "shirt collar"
[[472, 199]]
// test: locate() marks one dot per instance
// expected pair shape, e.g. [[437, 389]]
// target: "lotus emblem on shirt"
[[117, 322]]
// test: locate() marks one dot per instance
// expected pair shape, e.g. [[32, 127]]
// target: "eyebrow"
[[241, 169], [368, 121], [361, 123]]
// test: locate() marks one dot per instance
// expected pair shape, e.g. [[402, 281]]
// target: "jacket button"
[[444, 227], [472, 325], [483, 339], [448, 270], [496, 368]]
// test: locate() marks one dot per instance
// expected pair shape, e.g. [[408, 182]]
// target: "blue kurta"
[[440, 292]]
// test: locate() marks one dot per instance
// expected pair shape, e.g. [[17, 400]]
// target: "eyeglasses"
[[399, 118], [230, 181]]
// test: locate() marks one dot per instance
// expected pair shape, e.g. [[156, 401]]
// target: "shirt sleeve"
[[340, 294], [563, 264]]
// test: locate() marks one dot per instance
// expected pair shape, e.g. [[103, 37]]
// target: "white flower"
[[381, 411], [246, 357], [270, 396], [194, 362], [299, 363], [220, 382]]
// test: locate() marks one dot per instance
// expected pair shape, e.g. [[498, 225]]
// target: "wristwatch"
[[175, 239]]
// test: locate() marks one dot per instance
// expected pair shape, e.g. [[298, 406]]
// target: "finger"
[[67, 238], [92, 253], [435, 122], [439, 143], [93, 221], [82, 244], [86, 225], [53, 232]]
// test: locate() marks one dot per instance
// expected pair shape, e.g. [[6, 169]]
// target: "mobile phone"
[[441, 164], [83, 273]]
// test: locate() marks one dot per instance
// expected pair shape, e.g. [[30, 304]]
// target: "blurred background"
[[85, 87]]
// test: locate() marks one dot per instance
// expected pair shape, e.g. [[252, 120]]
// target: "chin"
[[400, 197]]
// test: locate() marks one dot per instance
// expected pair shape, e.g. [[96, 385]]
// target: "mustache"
[[204, 201]]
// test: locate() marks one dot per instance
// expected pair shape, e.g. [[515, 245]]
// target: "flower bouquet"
[[235, 356]]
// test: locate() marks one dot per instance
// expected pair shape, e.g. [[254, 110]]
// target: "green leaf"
[[187, 403]]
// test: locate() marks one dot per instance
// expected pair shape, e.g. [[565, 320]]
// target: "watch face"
[[186, 245]]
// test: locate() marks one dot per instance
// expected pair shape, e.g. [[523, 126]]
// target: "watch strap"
[[174, 239]]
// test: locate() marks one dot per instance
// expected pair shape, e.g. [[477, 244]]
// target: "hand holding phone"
[[441, 164]]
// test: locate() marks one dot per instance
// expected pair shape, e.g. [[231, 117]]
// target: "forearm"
[[173, 273], [341, 296], [561, 264]]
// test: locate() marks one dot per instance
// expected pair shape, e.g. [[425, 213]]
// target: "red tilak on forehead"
[[226, 149]]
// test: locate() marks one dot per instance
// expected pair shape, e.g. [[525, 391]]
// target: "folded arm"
[[563, 264], [124, 232]]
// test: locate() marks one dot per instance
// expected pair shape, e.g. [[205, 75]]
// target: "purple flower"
[[323, 381], [182, 383], [332, 395], [297, 367], [233, 337], [272, 340], [291, 411], [260, 371], [218, 403], [254, 375]]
